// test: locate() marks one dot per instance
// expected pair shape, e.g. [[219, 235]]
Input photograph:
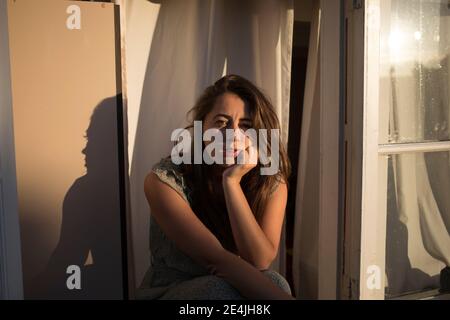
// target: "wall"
[[66, 138]]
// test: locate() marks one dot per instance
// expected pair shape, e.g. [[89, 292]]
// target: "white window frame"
[[11, 283]]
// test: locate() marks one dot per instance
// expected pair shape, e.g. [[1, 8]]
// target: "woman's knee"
[[279, 280], [204, 288]]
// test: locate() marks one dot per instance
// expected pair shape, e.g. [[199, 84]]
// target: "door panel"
[[66, 76]]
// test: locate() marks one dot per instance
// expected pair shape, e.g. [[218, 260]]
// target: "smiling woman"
[[216, 228]]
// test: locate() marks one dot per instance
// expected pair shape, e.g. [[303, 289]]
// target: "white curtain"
[[418, 206], [306, 228], [191, 44]]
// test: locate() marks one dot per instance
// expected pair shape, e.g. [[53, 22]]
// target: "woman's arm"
[[181, 225], [257, 242]]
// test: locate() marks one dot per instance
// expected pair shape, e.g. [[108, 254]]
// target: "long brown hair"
[[209, 204]]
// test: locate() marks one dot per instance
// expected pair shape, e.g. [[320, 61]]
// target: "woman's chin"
[[224, 165]]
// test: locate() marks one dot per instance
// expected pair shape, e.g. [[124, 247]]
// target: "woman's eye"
[[221, 123]]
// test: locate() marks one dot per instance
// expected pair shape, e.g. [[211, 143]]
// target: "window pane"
[[415, 86], [418, 221]]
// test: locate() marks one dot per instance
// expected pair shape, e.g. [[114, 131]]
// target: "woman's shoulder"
[[279, 181], [171, 174], [166, 164]]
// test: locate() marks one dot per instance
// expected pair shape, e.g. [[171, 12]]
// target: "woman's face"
[[229, 112]]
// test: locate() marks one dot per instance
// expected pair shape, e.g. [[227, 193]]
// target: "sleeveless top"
[[169, 266]]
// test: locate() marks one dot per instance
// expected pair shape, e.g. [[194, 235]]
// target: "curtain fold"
[[193, 43], [418, 240], [418, 213]]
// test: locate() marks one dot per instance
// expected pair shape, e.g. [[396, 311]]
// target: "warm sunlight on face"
[[229, 112]]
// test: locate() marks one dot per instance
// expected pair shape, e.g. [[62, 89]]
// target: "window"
[[404, 223]]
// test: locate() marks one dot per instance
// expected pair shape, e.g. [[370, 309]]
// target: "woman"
[[215, 229]]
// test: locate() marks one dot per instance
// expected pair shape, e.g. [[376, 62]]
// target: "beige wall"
[[64, 87]]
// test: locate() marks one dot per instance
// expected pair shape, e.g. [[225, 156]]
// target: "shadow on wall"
[[90, 235]]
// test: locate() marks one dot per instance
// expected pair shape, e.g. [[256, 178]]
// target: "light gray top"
[[169, 266]]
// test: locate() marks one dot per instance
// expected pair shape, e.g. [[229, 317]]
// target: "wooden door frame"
[[331, 124]]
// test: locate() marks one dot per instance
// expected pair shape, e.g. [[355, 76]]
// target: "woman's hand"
[[246, 160]]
